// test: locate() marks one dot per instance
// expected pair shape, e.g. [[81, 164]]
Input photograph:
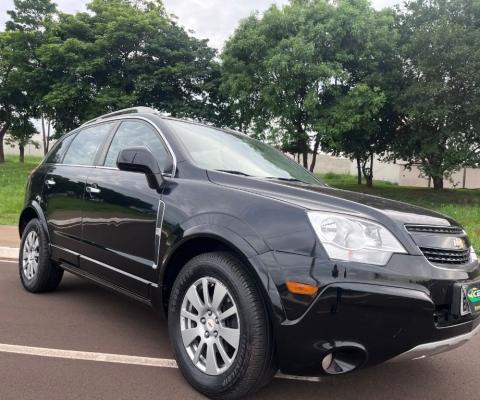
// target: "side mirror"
[[141, 159]]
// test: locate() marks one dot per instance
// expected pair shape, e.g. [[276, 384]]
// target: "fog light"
[[327, 362]]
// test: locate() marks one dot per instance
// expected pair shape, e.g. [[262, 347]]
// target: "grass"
[[13, 180], [462, 205]]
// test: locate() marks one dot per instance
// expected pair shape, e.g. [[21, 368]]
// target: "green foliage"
[[315, 70], [121, 54], [23, 80], [441, 58]]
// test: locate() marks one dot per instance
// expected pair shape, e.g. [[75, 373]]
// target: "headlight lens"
[[354, 239]]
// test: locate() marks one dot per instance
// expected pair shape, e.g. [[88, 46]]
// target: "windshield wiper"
[[229, 171], [286, 179]]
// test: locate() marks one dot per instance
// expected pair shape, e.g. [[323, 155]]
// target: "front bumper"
[[367, 324]]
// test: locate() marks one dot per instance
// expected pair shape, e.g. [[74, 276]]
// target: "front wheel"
[[219, 328]]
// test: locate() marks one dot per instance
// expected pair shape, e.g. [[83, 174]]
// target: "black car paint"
[[111, 238]]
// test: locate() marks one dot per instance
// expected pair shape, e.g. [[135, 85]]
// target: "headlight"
[[354, 239]]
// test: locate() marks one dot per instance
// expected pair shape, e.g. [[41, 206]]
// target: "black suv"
[[257, 264]]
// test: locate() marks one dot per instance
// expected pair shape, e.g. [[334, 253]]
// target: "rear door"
[[122, 213], [64, 187]]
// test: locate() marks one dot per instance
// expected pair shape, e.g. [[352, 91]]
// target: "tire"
[[38, 272], [252, 361]]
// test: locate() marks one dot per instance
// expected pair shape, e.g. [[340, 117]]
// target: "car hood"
[[324, 198]]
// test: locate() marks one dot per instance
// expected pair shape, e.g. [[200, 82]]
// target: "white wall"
[[30, 150], [381, 171], [395, 173]]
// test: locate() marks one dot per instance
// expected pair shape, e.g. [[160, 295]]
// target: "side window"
[[131, 134], [58, 149], [85, 145]]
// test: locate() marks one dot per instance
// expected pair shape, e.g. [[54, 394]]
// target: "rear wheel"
[[219, 328], [38, 272]]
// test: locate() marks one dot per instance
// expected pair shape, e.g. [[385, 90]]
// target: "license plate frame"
[[473, 296]]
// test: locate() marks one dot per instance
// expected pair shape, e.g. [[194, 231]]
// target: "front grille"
[[449, 230], [439, 256]]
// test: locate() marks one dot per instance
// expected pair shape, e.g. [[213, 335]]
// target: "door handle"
[[49, 182], [93, 190]]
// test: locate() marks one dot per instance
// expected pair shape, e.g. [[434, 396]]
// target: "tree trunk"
[[315, 151], [368, 174], [437, 182], [22, 154], [305, 158], [369, 180], [3, 131], [359, 172]]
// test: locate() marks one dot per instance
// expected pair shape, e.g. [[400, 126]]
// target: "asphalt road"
[[82, 317]]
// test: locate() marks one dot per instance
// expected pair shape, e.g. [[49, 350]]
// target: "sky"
[[210, 19]]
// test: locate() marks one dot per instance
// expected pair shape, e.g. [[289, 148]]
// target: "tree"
[[123, 53], [273, 71], [20, 134], [13, 99], [365, 120], [440, 39], [293, 66], [358, 132], [28, 21]]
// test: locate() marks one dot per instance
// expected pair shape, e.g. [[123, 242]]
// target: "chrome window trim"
[[134, 116], [75, 165], [116, 169]]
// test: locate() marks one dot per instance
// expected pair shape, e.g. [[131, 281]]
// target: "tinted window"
[[85, 145], [131, 134], [57, 152]]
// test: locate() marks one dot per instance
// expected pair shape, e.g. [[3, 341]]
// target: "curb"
[[9, 252]]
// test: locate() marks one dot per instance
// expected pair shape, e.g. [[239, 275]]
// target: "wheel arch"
[[204, 239], [30, 211]]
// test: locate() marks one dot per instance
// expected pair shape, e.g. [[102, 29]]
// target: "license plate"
[[466, 299]]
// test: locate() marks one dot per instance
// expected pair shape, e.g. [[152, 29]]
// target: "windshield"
[[238, 154]]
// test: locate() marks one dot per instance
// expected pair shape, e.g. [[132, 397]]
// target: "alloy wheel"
[[210, 326], [30, 255]]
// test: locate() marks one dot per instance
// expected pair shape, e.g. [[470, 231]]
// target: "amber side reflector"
[[301, 288]]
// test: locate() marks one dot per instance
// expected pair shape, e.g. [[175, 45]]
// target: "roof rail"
[[146, 110]]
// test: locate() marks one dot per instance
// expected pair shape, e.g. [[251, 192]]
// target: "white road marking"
[[112, 358], [88, 356], [9, 252]]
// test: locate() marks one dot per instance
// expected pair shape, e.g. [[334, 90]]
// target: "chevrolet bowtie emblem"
[[459, 244]]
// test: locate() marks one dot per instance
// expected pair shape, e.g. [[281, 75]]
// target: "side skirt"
[[106, 285]]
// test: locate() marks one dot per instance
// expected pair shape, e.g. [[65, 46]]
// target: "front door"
[[121, 214]]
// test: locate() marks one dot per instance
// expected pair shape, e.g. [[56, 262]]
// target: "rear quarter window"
[[58, 150], [84, 147]]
